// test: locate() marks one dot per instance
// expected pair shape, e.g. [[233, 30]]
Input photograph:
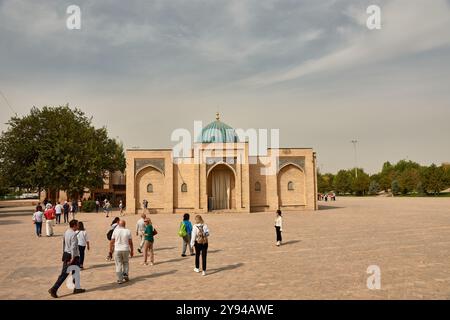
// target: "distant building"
[[226, 179], [113, 189]]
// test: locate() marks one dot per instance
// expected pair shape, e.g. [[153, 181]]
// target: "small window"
[[257, 186], [184, 187], [290, 185], [149, 188]]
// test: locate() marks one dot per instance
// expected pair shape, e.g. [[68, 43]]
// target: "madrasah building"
[[220, 175]]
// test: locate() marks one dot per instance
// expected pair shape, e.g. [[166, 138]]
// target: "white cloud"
[[408, 27]]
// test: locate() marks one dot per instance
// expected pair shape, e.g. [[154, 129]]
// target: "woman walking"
[[149, 239], [121, 208], [114, 224], [83, 242], [185, 232], [37, 220], [279, 227], [199, 240]]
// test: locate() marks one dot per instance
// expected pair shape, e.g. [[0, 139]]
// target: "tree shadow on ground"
[[225, 268], [15, 214], [96, 266], [164, 248], [171, 260], [112, 286], [322, 207], [8, 222]]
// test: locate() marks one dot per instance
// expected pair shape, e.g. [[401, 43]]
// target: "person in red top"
[[49, 215]]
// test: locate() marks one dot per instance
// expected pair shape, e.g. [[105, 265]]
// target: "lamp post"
[[356, 162]]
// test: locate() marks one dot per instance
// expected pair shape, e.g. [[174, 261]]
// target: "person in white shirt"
[[121, 208], [140, 230], [199, 240], [38, 217], [58, 211], [83, 242], [122, 244], [279, 227]]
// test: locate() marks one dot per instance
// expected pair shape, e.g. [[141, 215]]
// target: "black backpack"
[[109, 234]]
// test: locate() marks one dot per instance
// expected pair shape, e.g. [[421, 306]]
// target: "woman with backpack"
[[185, 233], [83, 242], [199, 240], [114, 224], [278, 227]]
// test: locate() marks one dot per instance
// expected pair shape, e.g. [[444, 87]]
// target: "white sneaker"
[[203, 273], [278, 243], [196, 270]]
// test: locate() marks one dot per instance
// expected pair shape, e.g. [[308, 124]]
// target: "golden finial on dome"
[[217, 116]]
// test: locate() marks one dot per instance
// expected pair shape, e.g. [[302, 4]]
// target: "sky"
[[311, 69]]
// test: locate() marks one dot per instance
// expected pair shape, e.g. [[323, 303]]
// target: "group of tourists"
[[52, 215], [121, 248]]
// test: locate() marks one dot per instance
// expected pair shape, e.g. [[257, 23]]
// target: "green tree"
[[343, 182], [360, 184], [325, 182], [386, 176], [374, 187], [408, 180], [434, 179], [57, 148], [395, 188]]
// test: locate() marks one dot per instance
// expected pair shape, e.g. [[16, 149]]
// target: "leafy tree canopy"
[[57, 148]]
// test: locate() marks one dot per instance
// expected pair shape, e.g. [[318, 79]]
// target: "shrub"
[[88, 206]]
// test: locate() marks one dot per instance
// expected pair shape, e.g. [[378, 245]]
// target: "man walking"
[[71, 256], [49, 215], [66, 209], [140, 231], [122, 244], [74, 208], [58, 210]]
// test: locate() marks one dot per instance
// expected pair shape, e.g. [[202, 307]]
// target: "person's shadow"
[[290, 242], [225, 268], [112, 286]]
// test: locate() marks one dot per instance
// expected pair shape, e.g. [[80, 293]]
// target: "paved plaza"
[[325, 255]]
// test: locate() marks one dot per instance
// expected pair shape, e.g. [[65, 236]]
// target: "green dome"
[[218, 131]]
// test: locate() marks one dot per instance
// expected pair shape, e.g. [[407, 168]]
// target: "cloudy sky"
[[309, 68]]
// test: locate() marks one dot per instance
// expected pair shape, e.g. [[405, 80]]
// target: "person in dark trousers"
[[83, 242], [74, 207], [66, 209], [37, 220], [199, 240], [279, 227], [71, 256]]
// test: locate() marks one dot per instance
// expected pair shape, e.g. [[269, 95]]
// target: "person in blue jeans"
[[37, 220], [187, 237]]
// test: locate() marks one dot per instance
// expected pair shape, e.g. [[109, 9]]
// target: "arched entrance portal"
[[221, 188], [150, 187], [291, 187]]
